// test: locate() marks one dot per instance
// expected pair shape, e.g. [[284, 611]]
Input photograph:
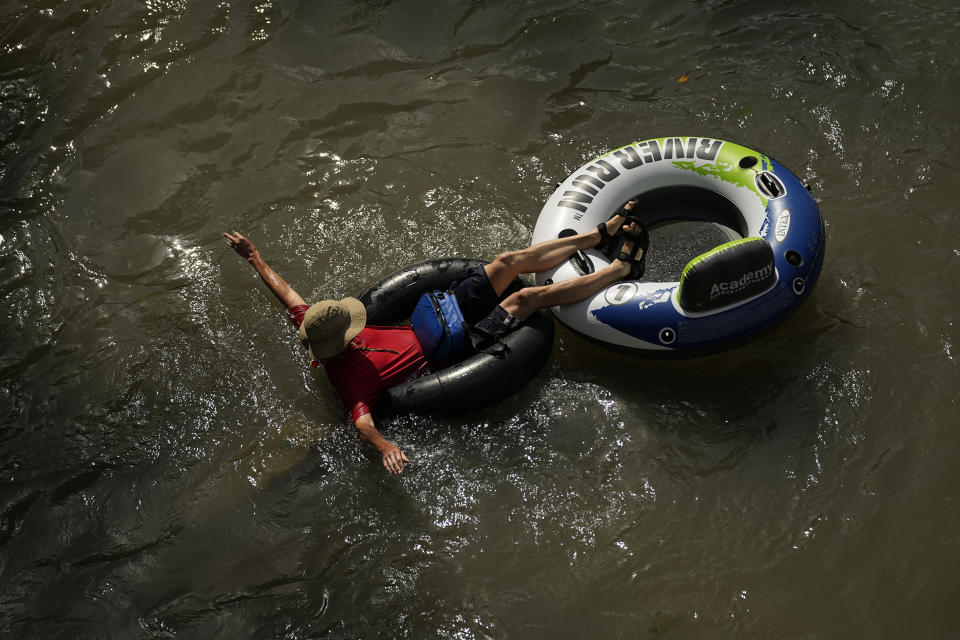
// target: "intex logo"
[[727, 288], [783, 225]]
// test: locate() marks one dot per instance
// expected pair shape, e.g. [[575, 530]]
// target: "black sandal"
[[641, 241], [610, 243]]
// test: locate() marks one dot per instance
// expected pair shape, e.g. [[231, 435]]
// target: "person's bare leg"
[[544, 255], [525, 302]]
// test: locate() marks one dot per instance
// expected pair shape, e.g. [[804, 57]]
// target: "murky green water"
[[170, 466]]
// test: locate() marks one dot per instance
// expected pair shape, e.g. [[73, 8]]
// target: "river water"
[[171, 467]]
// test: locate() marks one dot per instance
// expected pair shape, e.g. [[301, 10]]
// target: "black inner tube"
[[480, 379]]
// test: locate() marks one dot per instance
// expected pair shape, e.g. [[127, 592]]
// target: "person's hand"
[[241, 245], [629, 206], [394, 459]]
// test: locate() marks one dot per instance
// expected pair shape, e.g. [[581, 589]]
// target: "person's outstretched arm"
[[277, 285], [393, 458]]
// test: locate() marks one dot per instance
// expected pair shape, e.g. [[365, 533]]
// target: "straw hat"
[[330, 325]]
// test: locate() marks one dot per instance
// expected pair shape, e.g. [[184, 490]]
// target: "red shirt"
[[360, 375]]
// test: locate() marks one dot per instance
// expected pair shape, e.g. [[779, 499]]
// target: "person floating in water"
[[361, 361]]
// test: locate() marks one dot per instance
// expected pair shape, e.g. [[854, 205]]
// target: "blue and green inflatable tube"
[[729, 294]]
